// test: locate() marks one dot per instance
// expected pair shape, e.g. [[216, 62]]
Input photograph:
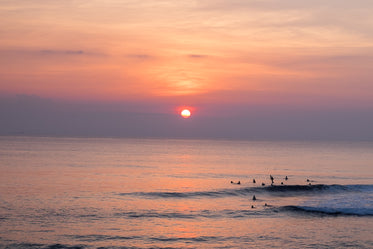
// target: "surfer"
[[270, 176], [263, 184], [254, 181], [286, 178], [254, 198]]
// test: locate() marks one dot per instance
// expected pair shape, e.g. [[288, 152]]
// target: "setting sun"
[[185, 113]]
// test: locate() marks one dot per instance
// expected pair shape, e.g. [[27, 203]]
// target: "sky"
[[248, 69]]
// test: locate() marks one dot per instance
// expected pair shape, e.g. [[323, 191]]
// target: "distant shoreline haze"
[[34, 116]]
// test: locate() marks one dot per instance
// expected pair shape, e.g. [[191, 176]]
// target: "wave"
[[62, 246], [329, 210], [151, 240], [41, 246], [249, 212], [247, 191], [209, 214]]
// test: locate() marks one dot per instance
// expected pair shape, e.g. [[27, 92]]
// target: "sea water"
[[164, 193]]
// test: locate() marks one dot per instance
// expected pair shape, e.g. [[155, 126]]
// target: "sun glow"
[[185, 113]]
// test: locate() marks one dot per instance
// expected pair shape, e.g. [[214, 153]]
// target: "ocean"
[[174, 193]]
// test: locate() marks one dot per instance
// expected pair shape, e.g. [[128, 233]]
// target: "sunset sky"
[[224, 58]]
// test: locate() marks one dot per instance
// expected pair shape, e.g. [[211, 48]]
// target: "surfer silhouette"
[[270, 176]]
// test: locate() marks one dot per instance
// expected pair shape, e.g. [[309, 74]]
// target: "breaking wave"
[[329, 210], [277, 189]]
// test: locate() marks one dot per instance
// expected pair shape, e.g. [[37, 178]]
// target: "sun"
[[185, 113]]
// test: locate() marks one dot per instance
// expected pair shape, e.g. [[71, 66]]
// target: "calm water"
[[133, 193]]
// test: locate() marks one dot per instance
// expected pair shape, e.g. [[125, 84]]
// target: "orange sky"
[[194, 52]]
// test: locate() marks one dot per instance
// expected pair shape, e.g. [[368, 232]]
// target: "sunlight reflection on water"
[[177, 193]]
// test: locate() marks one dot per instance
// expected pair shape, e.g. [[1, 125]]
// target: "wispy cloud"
[[66, 52], [49, 52], [197, 56], [135, 49], [140, 56], [341, 17]]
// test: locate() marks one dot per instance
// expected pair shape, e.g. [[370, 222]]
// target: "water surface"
[[158, 193]]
